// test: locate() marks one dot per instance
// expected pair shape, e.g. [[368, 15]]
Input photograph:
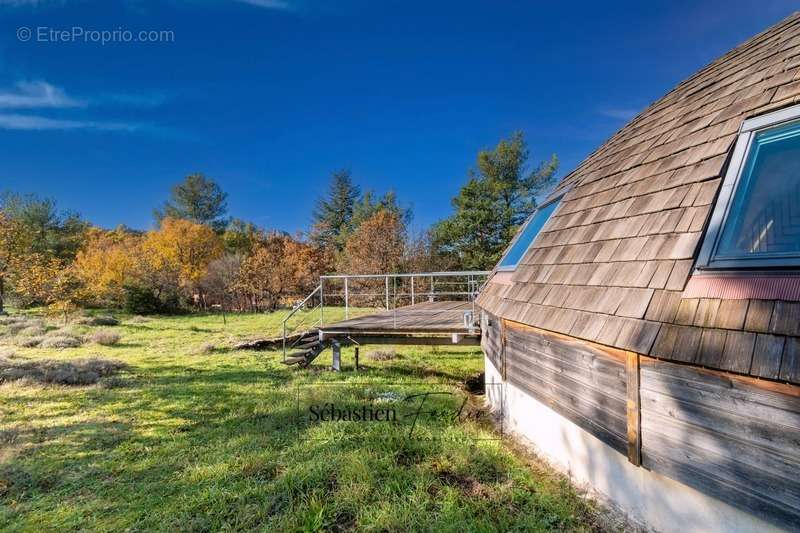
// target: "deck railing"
[[380, 291]]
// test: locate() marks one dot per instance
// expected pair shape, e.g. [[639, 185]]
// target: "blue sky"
[[269, 96]]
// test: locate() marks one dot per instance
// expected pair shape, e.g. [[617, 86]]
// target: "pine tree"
[[197, 199], [499, 195], [333, 215]]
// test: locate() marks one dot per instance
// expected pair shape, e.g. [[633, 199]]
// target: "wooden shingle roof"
[[611, 264]]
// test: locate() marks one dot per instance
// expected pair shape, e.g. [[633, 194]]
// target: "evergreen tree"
[[197, 199], [333, 215], [499, 195]]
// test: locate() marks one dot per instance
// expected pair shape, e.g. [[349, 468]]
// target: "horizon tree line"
[[199, 257]]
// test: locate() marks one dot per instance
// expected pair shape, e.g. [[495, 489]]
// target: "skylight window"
[[756, 222], [528, 234]]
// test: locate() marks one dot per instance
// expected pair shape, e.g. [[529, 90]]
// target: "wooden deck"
[[423, 323]]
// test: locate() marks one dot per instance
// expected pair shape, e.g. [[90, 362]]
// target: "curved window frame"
[[521, 232], [709, 258]]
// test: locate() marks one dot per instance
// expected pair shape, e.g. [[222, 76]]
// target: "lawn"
[[194, 436]]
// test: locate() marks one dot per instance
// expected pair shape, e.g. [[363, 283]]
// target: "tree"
[[499, 195], [279, 268], [240, 237], [219, 284], [44, 228], [377, 246], [107, 263], [12, 248], [182, 249], [333, 215], [197, 199], [367, 206]]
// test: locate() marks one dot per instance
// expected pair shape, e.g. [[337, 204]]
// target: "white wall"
[[660, 503]]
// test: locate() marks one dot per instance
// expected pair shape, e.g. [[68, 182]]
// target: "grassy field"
[[193, 436]]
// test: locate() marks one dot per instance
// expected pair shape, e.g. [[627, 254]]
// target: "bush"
[[382, 355], [28, 342], [21, 323], [32, 331], [143, 301], [61, 342], [105, 337], [106, 320], [83, 371]]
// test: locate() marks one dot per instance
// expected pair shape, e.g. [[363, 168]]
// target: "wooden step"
[[307, 345], [293, 360]]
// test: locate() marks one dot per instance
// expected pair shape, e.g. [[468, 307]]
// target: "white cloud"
[[268, 4], [36, 94], [11, 121]]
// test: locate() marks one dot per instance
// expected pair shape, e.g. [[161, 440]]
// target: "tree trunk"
[[2, 294]]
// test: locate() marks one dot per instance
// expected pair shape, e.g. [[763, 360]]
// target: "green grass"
[[201, 439]]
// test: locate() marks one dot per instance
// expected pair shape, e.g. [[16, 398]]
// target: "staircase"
[[306, 348]]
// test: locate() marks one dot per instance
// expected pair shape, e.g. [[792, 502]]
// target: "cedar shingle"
[[785, 318], [687, 344], [759, 313], [790, 365], [712, 344], [731, 314], [738, 352], [767, 356]]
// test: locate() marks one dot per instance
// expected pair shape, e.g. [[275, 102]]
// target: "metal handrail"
[[473, 286], [294, 311]]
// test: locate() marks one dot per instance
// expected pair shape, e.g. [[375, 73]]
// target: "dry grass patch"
[[382, 355], [105, 320], [83, 371], [105, 337], [60, 342]]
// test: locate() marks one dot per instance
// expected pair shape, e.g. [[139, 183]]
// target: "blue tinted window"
[[529, 233], [764, 216]]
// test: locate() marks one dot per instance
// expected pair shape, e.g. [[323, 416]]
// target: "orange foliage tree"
[[183, 249], [106, 263], [279, 268], [376, 247]]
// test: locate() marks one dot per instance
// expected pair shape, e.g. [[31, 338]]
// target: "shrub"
[[22, 323], [106, 320], [61, 342], [32, 331], [143, 301], [28, 342], [382, 355], [83, 371], [105, 337]]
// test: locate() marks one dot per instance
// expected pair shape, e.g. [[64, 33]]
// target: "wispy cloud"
[[619, 113], [268, 4], [35, 95], [12, 121]]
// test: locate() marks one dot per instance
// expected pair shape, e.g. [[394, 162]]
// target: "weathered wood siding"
[[732, 438], [492, 340], [580, 382]]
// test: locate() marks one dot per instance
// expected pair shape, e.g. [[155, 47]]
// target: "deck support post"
[[633, 409], [356, 351], [386, 279], [346, 300], [337, 356]]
